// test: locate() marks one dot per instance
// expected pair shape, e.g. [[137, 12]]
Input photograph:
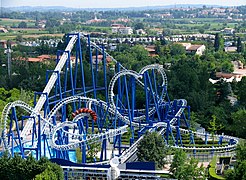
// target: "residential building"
[[95, 20], [151, 51], [99, 59], [197, 49], [120, 29], [3, 30], [4, 44], [231, 49], [41, 58], [228, 31], [125, 20]]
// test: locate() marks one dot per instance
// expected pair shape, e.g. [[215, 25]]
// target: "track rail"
[[78, 139], [49, 85]]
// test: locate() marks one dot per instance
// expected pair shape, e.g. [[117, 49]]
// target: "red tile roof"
[[44, 56], [100, 57], [193, 47]]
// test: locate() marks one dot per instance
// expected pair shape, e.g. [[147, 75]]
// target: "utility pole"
[[9, 61], [1, 9]]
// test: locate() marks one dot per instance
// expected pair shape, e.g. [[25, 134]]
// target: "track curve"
[[47, 127]]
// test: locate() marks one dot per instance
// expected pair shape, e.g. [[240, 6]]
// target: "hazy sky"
[[115, 3]]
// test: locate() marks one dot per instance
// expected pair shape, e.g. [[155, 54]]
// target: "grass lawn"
[[27, 33], [15, 22]]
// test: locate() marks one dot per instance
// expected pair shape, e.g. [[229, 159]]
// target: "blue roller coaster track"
[[112, 92]]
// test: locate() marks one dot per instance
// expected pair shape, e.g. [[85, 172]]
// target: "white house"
[[194, 48], [197, 49], [228, 31], [119, 28]]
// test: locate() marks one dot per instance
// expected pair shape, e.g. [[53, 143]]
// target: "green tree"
[[241, 151], [26, 169], [152, 148], [201, 30], [218, 42], [214, 127], [178, 163], [241, 91], [177, 49], [18, 168], [239, 125], [22, 25], [239, 171], [239, 45], [184, 168], [93, 149], [19, 38], [52, 172], [51, 22], [139, 26], [165, 51]]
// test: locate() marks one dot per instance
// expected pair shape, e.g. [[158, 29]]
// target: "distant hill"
[[62, 8], [40, 8]]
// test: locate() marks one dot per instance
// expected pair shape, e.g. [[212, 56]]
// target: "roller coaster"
[[91, 98]]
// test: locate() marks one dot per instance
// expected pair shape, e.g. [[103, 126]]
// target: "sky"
[[115, 3]]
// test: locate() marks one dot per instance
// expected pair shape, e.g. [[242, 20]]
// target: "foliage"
[[52, 172], [139, 26], [19, 38], [78, 155], [241, 151], [51, 22], [93, 149], [13, 95], [239, 125], [214, 127], [239, 45], [230, 174], [185, 168], [178, 163], [27, 169], [22, 25], [133, 58], [239, 171], [152, 148], [177, 49], [241, 91], [218, 42]]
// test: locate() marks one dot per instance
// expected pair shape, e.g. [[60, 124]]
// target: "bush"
[[27, 169], [52, 172]]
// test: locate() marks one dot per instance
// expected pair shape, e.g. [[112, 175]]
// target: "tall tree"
[[214, 127], [218, 42], [239, 125], [152, 148], [241, 91], [240, 47], [184, 168]]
